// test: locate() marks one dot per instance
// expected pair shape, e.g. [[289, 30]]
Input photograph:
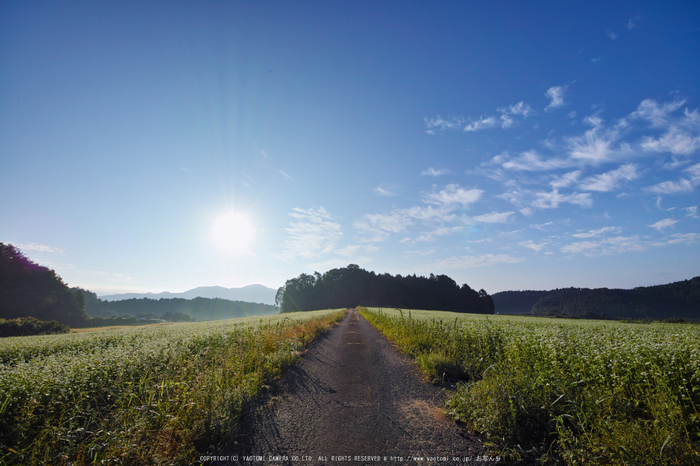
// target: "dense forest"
[[352, 286], [175, 308], [29, 289], [679, 299]]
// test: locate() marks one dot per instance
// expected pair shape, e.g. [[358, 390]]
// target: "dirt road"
[[354, 399]]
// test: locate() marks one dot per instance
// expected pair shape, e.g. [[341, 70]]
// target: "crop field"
[[562, 391], [148, 395]]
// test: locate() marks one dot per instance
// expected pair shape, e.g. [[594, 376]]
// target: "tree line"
[[175, 309], [353, 286], [679, 299]]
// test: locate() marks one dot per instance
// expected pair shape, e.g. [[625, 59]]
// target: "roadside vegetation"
[[562, 391], [160, 394]]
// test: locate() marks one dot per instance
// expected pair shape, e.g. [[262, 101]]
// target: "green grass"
[[563, 391], [159, 394]]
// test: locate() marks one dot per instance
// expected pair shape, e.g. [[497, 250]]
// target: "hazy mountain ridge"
[[249, 294]]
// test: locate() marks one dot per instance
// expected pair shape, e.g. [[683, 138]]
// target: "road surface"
[[354, 399]]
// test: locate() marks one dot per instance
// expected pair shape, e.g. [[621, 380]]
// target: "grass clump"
[[564, 391], [141, 396]]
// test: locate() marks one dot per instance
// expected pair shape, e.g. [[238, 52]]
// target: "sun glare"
[[232, 234]]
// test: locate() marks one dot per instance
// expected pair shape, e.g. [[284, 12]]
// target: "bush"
[[23, 326]]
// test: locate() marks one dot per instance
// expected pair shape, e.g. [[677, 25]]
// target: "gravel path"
[[354, 399]]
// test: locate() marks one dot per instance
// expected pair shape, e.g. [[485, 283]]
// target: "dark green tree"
[[28, 289]]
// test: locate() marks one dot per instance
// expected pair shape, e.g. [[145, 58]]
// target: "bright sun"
[[232, 233]]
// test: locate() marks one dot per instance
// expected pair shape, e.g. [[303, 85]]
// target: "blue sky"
[[509, 145]]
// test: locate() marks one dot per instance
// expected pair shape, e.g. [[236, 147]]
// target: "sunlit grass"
[[563, 391], [156, 394]]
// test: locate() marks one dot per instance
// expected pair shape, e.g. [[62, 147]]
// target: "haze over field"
[[161, 147]]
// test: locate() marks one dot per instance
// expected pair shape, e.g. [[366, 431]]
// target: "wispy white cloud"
[[676, 140], [442, 231], [580, 246], [506, 120], [565, 180], [468, 262], [521, 108], [692, 211], [493, 217], [39, 248], [378, 227], [349, 251], [556, 96], [434, 172], [454, 194], [633, 23], [611, 34], [657, 115], [607, 246], [311, 235], [530, 244], [543, 226], [532, 161], [663, 224], [675, 163], [598, 232], [683, 238], [673, 187], [441, 213], [594, 146], [611, 180], [482, 123], [383, 192], [441, 124], [420, 252], [438, 213], [552, 200], [683, 185]]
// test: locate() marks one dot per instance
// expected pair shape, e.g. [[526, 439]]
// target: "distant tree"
[[177, 317], [279, 296], [488, 301], [28, 289], [93, 304]]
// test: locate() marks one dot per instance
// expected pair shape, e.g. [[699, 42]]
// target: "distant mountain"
[[249, 294], [679, 299]]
